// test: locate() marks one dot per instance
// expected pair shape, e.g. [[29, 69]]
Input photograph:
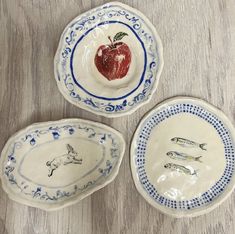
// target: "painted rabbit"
[[70, 157]]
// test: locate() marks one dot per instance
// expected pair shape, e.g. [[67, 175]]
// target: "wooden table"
[[199, 50]]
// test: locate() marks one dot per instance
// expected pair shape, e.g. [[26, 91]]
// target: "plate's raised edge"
[[179, 214], [75, 199], [157, 77]]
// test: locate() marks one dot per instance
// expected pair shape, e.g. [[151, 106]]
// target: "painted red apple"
[[113, 60]]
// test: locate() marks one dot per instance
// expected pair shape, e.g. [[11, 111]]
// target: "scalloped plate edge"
[[77, 198], [157, 77]]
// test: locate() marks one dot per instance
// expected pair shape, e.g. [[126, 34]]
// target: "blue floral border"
[[40, 192], [101, 14]]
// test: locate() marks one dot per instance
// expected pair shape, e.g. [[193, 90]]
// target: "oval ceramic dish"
[[109, 60], [55, 164], [182, 157]]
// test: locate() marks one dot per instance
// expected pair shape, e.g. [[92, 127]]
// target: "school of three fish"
[[183, 156]]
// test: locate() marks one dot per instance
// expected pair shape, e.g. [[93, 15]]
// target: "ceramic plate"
[[109, 60], [55, 164], [182, 157]]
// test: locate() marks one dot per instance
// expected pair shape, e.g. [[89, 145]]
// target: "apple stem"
[[112, 45]]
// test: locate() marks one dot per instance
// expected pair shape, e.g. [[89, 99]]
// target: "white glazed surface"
[[26, 175], [77, 76], [175, 185]]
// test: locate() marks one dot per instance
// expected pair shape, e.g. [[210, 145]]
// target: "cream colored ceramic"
[[55, 164], [109, 60], [182, 157]]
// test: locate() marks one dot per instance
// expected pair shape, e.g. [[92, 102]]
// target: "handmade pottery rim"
[[157, 76], [180, 214], [77, 198]]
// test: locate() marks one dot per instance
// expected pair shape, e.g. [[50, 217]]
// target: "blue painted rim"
[[81, 38]]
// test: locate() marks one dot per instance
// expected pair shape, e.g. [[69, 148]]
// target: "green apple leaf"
[[119, 36]]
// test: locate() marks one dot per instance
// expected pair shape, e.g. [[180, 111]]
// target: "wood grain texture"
[[199, 51]]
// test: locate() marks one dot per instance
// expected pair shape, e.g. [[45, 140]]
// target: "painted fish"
[[187, 143], [180, 168], [182, 156]]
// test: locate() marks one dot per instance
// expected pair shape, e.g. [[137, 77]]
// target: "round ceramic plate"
[[109, 60], [182, 157], [55, 164]]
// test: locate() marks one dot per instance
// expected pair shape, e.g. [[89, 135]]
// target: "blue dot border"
[[142, 139]]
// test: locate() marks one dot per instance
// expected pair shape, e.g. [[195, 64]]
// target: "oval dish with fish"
[[55, 164], [183, 157]]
